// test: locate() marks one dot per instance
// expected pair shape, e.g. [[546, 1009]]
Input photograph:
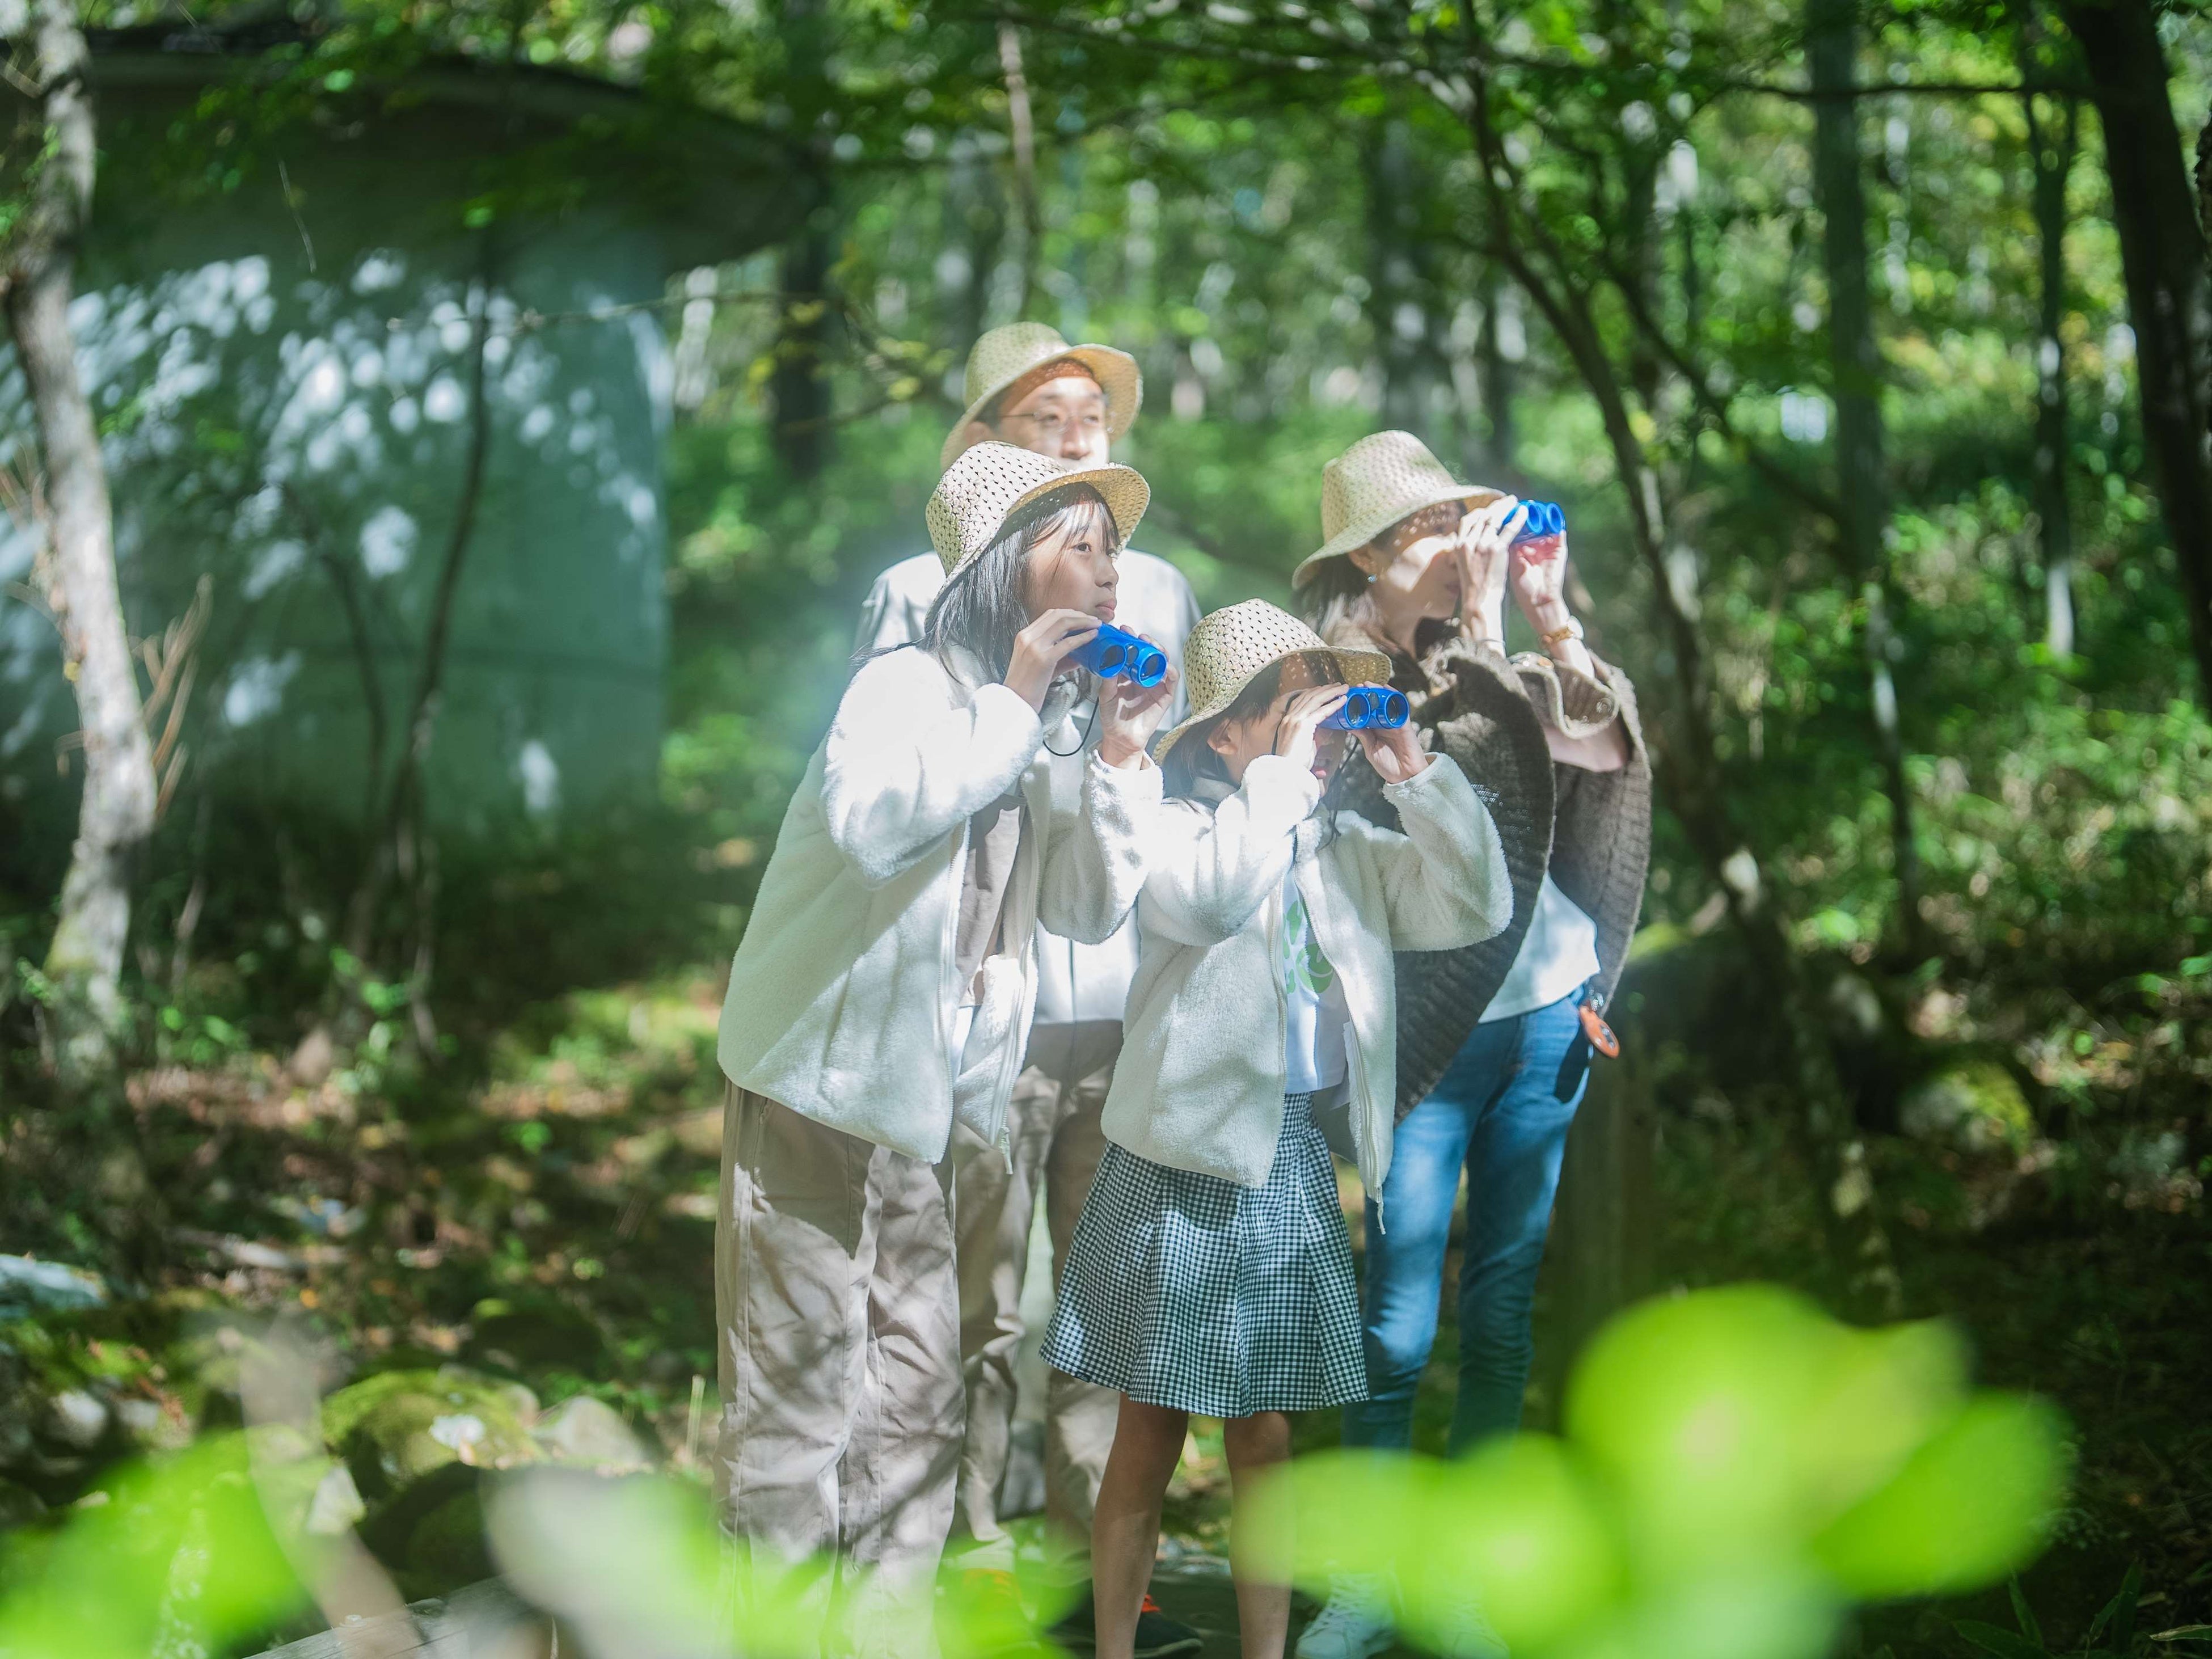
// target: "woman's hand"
[[1539, 579], [1539, 575], [1041, 648], [1296, 727], [1129, 715], [1483, 547], [1394, 751]]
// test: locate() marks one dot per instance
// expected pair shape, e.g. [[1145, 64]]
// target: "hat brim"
[[1352, 667], [1116, 373], [1122, 488], [1359, 534]]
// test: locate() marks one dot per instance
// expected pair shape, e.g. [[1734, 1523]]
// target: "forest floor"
[[552, 1223]]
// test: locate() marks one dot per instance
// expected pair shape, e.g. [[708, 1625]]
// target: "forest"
[[445, 445]]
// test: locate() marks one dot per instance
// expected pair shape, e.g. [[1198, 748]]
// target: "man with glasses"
[[1026, 385]]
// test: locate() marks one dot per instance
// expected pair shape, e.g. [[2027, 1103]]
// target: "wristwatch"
[[1570, 629]]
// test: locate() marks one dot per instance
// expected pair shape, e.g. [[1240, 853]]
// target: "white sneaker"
[[1355, 1625], [1467, 1632]]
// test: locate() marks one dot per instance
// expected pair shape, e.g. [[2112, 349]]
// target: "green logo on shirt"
[[1304, 968]]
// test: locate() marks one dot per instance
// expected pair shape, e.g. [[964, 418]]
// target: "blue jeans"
[[1502, 1109]]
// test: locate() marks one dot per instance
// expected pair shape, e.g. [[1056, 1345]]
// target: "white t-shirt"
[[1557, 955], [1313, 1039]]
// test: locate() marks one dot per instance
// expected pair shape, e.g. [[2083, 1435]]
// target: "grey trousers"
[[835, 1293], [1056, 1147]]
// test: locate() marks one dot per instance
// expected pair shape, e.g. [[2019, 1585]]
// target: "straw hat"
[[1002, 355], [1373, 485], [993, 481], [1230, 647]]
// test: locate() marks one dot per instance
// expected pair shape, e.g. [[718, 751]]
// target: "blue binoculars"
[[1540, 519], [1110, 653], [1369, 707]]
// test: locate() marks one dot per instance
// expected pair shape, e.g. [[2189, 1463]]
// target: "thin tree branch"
[[1907, 88], [1715, 406]]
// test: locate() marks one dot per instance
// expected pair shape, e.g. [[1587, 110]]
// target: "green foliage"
[[1736, 1469], [2112, 1634], [177, 1556]]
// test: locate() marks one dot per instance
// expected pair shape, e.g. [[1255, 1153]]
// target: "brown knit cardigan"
[[1592, 830]]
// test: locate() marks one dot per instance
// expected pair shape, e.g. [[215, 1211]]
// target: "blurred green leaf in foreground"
[[172, 1559], [1737, 1470]]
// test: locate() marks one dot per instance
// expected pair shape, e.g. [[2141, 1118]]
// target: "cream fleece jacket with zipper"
[[1200, 1082], [841, 995]]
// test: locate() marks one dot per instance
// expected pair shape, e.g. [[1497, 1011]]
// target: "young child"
[[1211, 1272], [884, 988]]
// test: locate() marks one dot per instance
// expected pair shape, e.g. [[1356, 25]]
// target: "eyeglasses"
[[1052, 423]]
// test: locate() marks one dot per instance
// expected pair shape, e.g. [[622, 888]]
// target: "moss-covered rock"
[[431, 1536], [396, 1427], [1975, 1105]]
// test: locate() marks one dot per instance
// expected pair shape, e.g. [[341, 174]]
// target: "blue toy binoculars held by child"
[[1369, 707], [1540, 519], [1110, 653]]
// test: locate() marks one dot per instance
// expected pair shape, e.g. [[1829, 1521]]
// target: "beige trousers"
[[835, 1294], [1056, 1144]]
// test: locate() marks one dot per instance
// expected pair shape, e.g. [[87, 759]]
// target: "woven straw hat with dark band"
[[1001, 356], [991, 483], [1378, 481], [1231, 647]]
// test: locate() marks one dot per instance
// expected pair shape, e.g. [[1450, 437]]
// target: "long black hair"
[[1338, 591], [981, 608]]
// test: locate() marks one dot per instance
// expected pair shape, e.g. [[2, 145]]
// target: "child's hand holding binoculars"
[[1129, 715], [1394, 752], [1041, 648]]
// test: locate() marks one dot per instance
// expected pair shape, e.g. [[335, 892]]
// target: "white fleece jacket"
[[1200, 1082], [841, 995]]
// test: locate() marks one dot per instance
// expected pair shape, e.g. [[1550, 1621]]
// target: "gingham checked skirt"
[[1185, 1291]]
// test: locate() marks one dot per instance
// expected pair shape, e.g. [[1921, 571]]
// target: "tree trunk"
[[974, 221], [400, 830], [2204, 184], [118, 808], [1601, 1255], [2162, 254], [799, 386], [1396, 316], [1022, 129], [1856, 365], [2052, 156], [799, 383], [1496, 371]]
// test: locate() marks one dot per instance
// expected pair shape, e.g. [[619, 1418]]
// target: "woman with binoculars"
[[883, 992], [1494, 1039]]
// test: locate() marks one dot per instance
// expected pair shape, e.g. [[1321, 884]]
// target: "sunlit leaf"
[[181, 1550], [1973, 1505]]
